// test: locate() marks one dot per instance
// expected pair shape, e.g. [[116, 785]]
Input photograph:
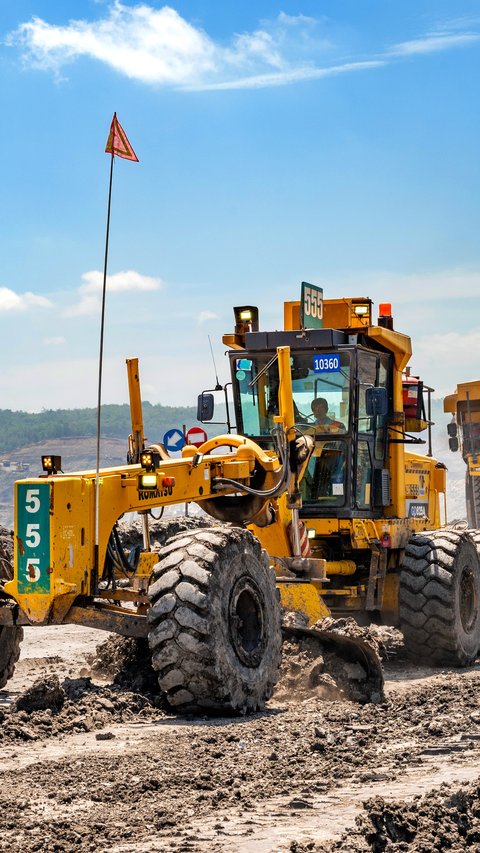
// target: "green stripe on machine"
[[33, 538]]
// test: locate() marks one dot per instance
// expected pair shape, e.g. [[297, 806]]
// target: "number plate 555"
[[33, 537]]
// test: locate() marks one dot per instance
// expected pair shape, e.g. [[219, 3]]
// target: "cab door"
[[370, 479]]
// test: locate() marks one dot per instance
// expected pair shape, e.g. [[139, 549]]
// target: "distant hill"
[[77, 454], [71, 433], [20, 429]]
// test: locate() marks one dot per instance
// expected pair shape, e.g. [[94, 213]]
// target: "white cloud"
[[257, 46], [293, 75], [11, 301], [152, 45], [121, 282], [207, 315], [158, 46], [87, 305], [433, 43], [295, 20], [57, 341]]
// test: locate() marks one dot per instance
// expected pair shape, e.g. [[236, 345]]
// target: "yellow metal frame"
[[72, 501], [75, 563]]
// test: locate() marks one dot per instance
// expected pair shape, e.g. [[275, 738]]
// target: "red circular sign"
[[196, 436]]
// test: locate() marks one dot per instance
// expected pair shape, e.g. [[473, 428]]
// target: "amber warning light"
[[385, 318], [52, 464]]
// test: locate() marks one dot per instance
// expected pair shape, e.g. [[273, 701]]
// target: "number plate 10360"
[[326, 363]]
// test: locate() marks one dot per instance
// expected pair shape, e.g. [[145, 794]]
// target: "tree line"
[[18, 429]]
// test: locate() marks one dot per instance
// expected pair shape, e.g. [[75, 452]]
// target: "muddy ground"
[[94, 763]]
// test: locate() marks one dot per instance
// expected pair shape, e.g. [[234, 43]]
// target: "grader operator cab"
[[323, 512], [464, 434]]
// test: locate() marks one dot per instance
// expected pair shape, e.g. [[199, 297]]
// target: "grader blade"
[[354, 660]]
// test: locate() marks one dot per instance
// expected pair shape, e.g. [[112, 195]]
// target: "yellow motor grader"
[[319, 508], [464, 434]]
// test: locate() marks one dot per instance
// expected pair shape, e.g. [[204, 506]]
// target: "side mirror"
[[376, 401], [453, 444], [205, 407], [452, 429]]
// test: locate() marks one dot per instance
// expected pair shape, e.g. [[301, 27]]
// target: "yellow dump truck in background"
[[464, 435]]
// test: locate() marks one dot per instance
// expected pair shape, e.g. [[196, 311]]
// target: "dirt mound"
[[348, 627], [45, 694], [389, 642], [127, 662], [49, 708], [440, 820]]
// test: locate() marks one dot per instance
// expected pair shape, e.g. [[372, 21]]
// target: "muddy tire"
[[10, 637], [440, 598], [161, 530], [6, 555], [472, 498], [215, 633]]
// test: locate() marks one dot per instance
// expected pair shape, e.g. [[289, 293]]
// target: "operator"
[[323, 423]]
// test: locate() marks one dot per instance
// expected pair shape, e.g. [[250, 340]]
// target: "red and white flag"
[[117, 142]]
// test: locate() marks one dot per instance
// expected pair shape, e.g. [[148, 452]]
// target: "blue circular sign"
[[174, 439]]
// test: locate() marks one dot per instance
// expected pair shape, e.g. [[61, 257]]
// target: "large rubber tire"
[[472, 499], [161, 530], [215, 622], [10, 638], [440, 597], [6, 555]]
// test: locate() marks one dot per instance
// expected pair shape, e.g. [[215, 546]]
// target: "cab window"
[[320, 386]]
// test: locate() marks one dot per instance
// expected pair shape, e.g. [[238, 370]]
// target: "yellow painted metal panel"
[[460, 394], [397, 343], [71, 549], [340, 567], [291, 315], [390, 596], [305, 598], [146, 563]]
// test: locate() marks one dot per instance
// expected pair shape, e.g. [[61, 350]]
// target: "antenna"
[[218, 387]]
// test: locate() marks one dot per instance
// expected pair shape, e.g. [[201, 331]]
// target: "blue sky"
[[335, 142]]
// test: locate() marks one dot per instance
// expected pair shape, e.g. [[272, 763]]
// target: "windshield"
[[321, 392]]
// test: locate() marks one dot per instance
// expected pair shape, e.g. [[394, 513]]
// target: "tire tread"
[[185, 648], [428, 597]]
